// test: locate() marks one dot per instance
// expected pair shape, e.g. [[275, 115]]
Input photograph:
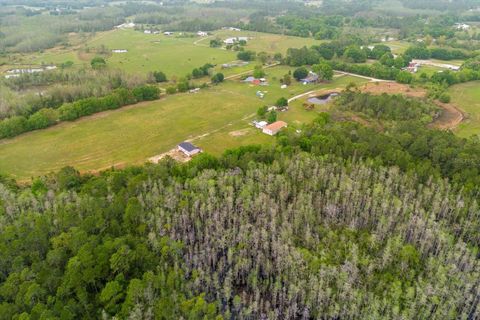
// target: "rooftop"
[[188, 146], [276, 125]]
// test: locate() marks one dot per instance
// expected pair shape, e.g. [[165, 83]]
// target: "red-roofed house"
[[273, 128]]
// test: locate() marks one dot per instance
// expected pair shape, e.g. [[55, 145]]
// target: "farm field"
[[467, 97], [174, 55], [132, 134]]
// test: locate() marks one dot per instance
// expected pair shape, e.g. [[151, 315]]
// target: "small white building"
[[168, 33], [230, 41], [128, 25], [274, 128], [462, 26], [119, 50], [147, 31], [202, 34], [188, 149], [260, 124]]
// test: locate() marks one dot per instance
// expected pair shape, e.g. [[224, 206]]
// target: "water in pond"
[[323, 99]]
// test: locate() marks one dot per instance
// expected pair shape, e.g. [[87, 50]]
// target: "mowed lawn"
[[133, 134], [467, 97]]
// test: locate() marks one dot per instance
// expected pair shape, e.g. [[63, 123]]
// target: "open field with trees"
[[467, 97], [134, 133], [320, 176], [175, 55]]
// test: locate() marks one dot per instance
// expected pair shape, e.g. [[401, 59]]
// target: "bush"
[[444, 97], [404, 77], [282, 102], [355, 54], [159, 76], [171, 90], [42, 119], [262, 111], [98, 63], [300, 73], [246, 55], [217, 78]]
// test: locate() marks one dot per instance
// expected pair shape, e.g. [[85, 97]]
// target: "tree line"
[[47, 117]]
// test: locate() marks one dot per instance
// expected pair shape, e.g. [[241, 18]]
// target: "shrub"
[[300, 73]]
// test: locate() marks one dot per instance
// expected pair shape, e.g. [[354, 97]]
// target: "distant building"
[[230, 41], [119, 50], [231, 29], [274, 128], [260, 124], [168, 33], [147, 31], [188, 149], [312, 78], [128, 25], [202, 34], [462, 26]]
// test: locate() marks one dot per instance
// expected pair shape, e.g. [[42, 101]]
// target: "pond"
[[323, 99]]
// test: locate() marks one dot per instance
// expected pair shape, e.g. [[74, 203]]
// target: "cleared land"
[[467, 97], [175, 55], [134, 134]]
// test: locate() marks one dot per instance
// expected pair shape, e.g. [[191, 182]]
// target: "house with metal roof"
[[189, 149]]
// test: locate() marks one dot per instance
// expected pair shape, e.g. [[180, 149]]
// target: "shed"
[[188, 149]]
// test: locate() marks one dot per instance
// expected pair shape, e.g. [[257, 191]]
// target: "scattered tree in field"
[[258, 72], [159, 76], [262, 111], [282, 102], [216, 43], [263, 57], [272, 116], [286, 79], [246, 55], [323, 70], [98, 63], [300, 73], [217, 78]]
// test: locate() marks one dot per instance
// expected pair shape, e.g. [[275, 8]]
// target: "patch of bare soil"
[[238, 133], [450, 118], [175, 154], [393, 88]]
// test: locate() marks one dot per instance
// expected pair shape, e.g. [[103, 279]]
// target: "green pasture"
[[133, 134], [467, 97], [175, 55]]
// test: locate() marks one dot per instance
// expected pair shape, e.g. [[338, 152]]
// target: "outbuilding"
[[274, 128], [189, 149]]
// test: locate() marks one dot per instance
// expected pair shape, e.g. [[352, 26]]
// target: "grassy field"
[[467, 97], [133, 134], [174, 55]]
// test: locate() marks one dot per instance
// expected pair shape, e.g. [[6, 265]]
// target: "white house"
[[202, 34], [230, 41], [274, 128], [119, 50], [147, 31], [462, 26], [189, 149], [168, 33]]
